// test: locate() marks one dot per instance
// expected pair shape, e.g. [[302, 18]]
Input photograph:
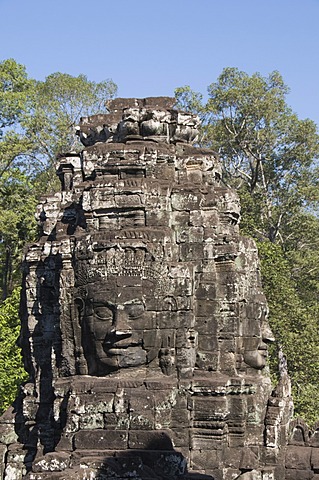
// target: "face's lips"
[[109, 350], [120, 345], [263, 347], [263, 352], [118, 351], [110, 345]]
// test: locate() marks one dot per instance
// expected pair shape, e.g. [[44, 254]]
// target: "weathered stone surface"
[[52, 462], [298, 457], [292, 474], [144, 324]]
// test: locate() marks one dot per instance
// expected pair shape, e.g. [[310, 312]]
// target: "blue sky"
[[151, 47]]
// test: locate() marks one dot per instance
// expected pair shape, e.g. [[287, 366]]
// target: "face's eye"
[[134, 310], [103, 312]]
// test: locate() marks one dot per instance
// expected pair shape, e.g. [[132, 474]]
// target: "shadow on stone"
[[35, 425], [158, 460]]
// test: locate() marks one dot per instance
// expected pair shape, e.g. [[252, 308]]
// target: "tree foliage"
[[270, 156], [17, 224], [295, 325], [57, 106], [15, 88], [12, 372]]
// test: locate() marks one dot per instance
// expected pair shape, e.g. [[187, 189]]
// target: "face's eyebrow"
[[102, 303], [134, 301]]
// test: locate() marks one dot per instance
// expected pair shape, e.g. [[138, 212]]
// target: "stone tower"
[[144, 325]]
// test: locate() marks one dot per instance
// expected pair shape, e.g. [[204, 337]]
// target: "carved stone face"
[[255, 348], [115, 325]]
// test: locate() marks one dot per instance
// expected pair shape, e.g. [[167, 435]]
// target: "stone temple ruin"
[[144, 325]]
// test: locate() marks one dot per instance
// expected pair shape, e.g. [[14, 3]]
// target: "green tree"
[[17, 224], [37, 119], [12, 372], [58, 104], [295, 325], [15, 89]]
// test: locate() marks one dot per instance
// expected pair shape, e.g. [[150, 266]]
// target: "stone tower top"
[[134, 119]]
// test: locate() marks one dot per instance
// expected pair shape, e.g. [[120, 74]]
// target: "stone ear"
[[79, 302]]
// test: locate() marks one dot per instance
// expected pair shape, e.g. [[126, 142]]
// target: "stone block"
[[14, 472], [249, 459], [16, 454], [163, 412], [101, 439], [314, 439], [207, 361], [210, 409], [150, 440], [191, 252], [3, 450], [207, 342], [52, 462], [237, 440], [208, 308], [207, 292], [230, 474], [207, 458], [215, 439], [99, 403], [91, 421], [65, 442], [314, 459], [180, 417], [232, 457], [269, 473], [189, 234], [156, 218], [72, 424], [206, 325], [180, 437], [298, 457], [9, 415], [295, 474], [186, 201], [143, 421], [170, 463], [167, 319], [8, 434]]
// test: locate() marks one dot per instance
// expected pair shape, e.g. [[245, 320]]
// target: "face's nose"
[[121, 323], [266, 334]]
